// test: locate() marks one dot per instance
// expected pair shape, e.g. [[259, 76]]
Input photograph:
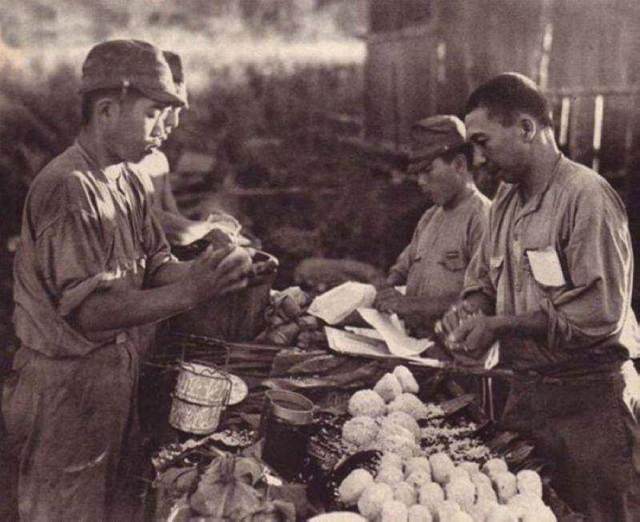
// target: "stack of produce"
[[288, 322], [418, 478]]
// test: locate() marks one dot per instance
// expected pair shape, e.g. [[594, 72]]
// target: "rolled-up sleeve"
[[592, 308], [156, 246], [476, 278]]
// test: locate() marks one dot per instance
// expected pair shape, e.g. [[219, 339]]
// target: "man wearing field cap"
[[433, 264], [92, 267]]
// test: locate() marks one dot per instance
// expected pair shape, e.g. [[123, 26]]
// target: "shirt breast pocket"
[[453, 261]]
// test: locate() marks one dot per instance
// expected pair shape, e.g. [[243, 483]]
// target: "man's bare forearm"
[[533, 324], [114, 309]]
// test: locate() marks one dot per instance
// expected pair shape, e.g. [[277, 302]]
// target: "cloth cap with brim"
[[433, 137], [129, 63], [177, 72]]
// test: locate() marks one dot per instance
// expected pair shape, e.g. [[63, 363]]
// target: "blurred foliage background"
[[267, 79]]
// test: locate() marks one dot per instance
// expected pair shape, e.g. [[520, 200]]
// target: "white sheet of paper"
[[393, 333], [371, 333], [545, 266], [335, 305], [353, 344]]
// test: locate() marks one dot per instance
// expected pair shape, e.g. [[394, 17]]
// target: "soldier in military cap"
[[93, 266], [433, 265]]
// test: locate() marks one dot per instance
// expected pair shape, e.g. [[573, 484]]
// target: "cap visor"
[[162, 96]]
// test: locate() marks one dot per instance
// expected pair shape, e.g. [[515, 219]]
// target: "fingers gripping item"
[[403, 419], [354, 485], [360, 430], [461, 491], [410, 404], [367, 403], [505, 484], [372, 499], [430, 495], [394, 511], [406, 379], [405, 493], [390, 475], [529, 482], [420, 513], [388, 387], [441, 467]]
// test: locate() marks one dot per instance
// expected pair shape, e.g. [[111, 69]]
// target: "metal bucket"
[[201, 394]]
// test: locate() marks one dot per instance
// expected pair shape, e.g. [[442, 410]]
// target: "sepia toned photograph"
[[319, 260]]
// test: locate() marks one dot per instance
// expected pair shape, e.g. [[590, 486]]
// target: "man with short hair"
[[91, 268], [433, 264], [552, 282]]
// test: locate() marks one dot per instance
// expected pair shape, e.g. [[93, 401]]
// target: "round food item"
[[480, 479], [486, 492], [417, 464], [390, 459], [394, 511], [403, 419], [430, 495], [403, 446], [529, 482], [372, 499], [540, 513], [470, 467], [366, 403], [494, 466], [521, 504], [505, 484], [446, 510], [481, 508], [388, 387], [409, 403], [419, 477], [360, 430], [389, 430], [405, 493], [353, 486], [500, 513], [462, 491], [441, 467], [390, 475], [460, 516], [458, 473], [406, 379], [419, 513]]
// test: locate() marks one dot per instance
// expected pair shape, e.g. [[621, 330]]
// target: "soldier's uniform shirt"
[[443, 243], [71, 408]]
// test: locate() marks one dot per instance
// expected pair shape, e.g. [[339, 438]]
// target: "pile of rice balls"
[[411, 487]]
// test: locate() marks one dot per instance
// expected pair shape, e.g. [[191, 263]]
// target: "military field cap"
[[177, 72], [433, 137], [129, 63]]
